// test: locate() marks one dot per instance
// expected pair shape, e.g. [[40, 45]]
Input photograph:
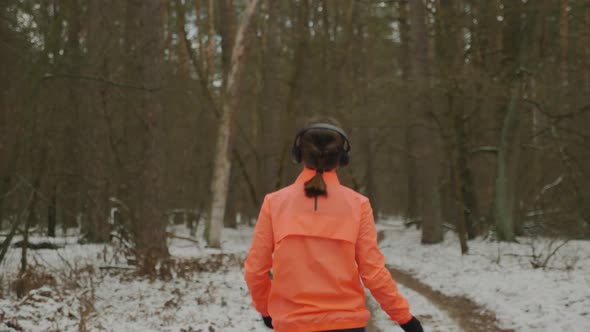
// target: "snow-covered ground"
[[116, 300], [497, 276], [500, 277]]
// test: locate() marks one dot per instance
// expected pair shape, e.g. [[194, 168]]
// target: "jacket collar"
[[330, 177]]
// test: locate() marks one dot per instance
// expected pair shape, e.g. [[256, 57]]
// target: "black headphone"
[[296, 150]]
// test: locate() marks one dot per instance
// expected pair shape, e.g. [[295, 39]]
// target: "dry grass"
[[34, 277], [185, 268], [170, 268], [73, 287], [85, 310]]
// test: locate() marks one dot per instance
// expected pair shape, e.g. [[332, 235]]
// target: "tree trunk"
[[504, 195], [563, 42], [460, 215], [8, 169], [371, 188], [424, 132], [585, 47], [93, 223], [183, 57], [210, 37], [270, 140], [200, 26], [8, 240], [227, 30], [222, 165], [28, 223], [459, 170], [52, 213], [470, 207], [151, 228], [518, 46], [453, 70], [30, 210], [411, 211], [290, 116]]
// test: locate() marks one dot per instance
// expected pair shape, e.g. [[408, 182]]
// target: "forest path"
[[468, 315]]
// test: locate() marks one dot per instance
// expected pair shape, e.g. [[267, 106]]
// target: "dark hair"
[[321, 150]]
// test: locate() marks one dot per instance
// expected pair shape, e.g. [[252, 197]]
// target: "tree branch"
[[484, 149], [100, 80]]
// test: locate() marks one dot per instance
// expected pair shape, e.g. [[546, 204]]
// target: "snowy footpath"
[[500, 277], [85, 290], [433, 319]]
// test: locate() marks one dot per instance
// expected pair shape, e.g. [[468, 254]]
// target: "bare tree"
[[143, 110], [424, 129], [149, 222], [517, 45], [222, 165]]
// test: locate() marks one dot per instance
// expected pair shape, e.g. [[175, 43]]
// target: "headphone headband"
[[325, 126]]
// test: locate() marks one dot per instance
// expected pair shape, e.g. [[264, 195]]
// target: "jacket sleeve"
[[375, 276], [259, 261]]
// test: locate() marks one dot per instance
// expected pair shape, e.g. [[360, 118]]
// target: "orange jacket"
[[316, 257]]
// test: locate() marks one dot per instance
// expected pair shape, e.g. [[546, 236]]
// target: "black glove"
[[412, 326], [267, 321]]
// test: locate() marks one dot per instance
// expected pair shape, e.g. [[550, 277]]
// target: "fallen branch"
[[540, 261], [449, 227], [6, 244], [174, 236], [546, 261], [38, 246], [410, 222], [484, 149], [115, 267]]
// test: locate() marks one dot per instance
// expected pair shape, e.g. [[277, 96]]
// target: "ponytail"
[[320, 147], [316, 186]]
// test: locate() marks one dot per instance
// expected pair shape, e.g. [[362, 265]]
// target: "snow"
[[120, 301], [497, 276], [500, 277], [207, 302], [204, 302]]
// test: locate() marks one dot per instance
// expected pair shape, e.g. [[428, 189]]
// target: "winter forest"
[[138, 140]]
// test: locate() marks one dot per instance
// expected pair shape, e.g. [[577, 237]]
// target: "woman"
[[319, 237]]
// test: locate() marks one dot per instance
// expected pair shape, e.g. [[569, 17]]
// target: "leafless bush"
[[570, 261], [123, 244], [174, 302], [187, 267], [498, 257], [208, 296], [86, 309], [12, 324], [34, 277], [540, 257], [165, 269]]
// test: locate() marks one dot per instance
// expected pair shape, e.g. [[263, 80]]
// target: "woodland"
[[120, 117]]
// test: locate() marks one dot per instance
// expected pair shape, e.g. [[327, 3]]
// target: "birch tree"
[[222, 163]]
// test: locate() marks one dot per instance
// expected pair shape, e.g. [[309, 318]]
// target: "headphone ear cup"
[[296, 154], [344, 158]]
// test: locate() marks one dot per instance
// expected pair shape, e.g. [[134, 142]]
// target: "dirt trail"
[[370, 325], [470, 316]]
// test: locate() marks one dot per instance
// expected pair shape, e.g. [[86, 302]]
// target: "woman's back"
[[316, 281], [318, 238]]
